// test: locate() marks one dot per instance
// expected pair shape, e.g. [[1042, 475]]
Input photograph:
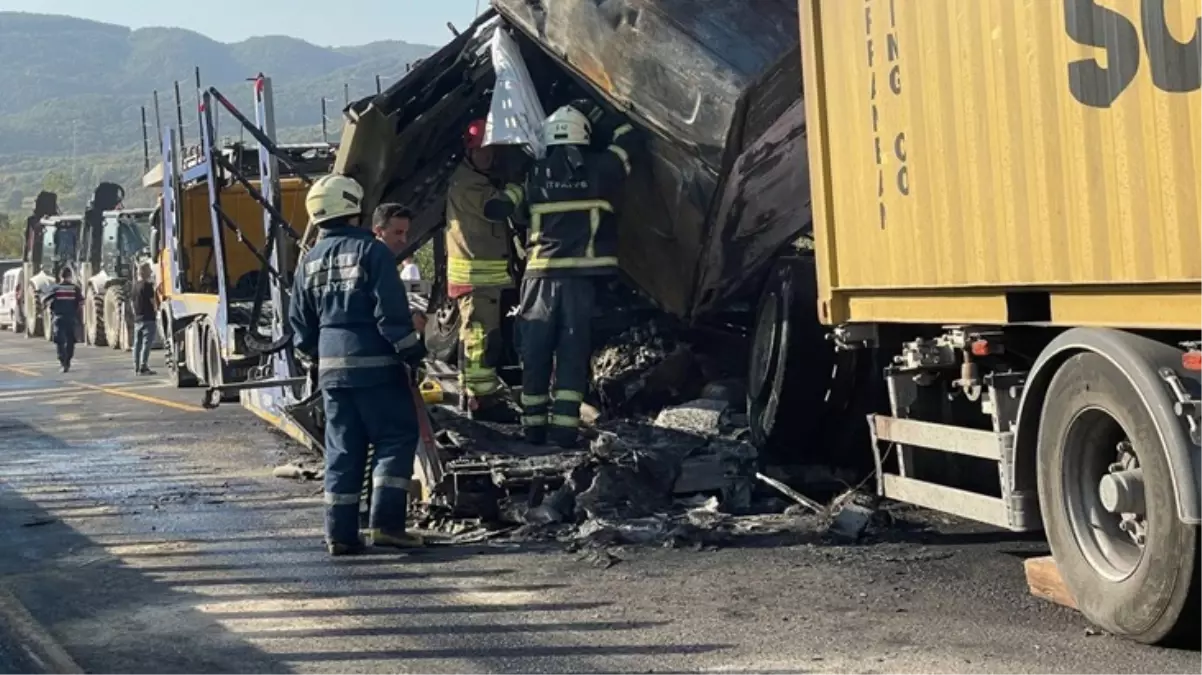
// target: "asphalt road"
[[145, 534]]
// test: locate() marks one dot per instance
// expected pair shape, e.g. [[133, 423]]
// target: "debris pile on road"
[[643, 369], [299, 470], [687, 479]]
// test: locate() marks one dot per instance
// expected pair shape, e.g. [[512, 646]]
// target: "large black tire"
[[795, 404], [118, 322], [94, 316], [126, 312], [216, 371], [1147, 593]]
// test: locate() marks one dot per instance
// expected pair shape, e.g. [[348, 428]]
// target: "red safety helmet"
[[473, 136]]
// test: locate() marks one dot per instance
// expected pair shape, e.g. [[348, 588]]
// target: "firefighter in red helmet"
[[477, 272]]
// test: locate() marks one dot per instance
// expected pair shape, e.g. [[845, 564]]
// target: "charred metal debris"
[[655, 471]]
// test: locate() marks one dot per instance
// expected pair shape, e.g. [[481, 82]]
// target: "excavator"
[[114, 242], [51, 243]]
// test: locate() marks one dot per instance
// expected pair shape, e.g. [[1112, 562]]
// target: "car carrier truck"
[[213, 277], [1006, 208]]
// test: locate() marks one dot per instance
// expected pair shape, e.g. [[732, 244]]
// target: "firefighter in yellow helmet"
[[478, 260], [349, 313]]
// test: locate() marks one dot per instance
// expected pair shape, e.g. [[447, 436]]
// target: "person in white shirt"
[[410, 272]]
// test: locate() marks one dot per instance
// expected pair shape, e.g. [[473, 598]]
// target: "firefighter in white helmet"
[[572, 240], [349, 313]]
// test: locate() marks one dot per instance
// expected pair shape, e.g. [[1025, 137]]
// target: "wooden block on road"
[[1043, 578]]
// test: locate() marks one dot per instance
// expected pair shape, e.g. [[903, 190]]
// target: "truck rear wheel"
[[792, 374], [1109, 508], [181, 377], [215, 368]]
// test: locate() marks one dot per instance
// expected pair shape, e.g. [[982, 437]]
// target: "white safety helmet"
[[333, 196], [567, 126]]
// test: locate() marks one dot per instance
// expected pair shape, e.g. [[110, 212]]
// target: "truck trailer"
[[213, 284], [1006, 209]]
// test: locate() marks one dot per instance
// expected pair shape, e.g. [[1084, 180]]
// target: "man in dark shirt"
[[146, 307], [66, 304]]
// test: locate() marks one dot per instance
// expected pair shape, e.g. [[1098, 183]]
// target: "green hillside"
[[73, 91]]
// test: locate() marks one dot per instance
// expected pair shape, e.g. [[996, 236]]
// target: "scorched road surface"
[[144, 534]]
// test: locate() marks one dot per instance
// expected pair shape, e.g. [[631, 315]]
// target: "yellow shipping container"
[[1006, 161]]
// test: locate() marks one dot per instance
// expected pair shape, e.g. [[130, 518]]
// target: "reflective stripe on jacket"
[[569, 198], [477, 249], [65, 301], [349, 310]]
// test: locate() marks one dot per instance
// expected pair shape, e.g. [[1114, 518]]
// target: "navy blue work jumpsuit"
[[349, 311]]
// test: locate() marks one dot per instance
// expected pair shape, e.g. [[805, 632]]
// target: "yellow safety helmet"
[[334, 196]]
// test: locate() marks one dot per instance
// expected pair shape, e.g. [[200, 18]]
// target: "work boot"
[[493, 409], [339, 548], [395, 539], [146, 371], [567, 439], [66, 367]]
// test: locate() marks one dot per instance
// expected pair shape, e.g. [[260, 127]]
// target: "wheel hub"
[[1105, 494], [1121, 492]]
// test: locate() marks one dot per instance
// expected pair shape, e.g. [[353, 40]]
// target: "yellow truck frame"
[[1006, 205]]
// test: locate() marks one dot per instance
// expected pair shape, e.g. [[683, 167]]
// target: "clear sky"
[[337, 23]]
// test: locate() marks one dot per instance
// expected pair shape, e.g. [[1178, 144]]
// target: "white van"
[[11, 311]]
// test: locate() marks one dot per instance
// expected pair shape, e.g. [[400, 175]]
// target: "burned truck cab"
[[715, 216]]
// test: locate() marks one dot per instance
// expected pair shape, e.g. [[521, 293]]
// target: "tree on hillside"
[[16, 199], [58, 182], [10, 237]]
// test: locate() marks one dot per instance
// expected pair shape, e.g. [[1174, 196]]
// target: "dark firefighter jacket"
[[349, 311], [569, 198]]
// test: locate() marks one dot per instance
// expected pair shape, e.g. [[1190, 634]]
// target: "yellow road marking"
[[140, 397], [19, 370], [77, 361], [41, 391], [18, 394]]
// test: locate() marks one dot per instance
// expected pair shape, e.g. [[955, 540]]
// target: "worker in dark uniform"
[[477, 273], [66, 306], [572, 240], [349, 313]]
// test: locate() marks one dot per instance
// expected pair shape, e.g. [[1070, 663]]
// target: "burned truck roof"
[[717, 87]]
